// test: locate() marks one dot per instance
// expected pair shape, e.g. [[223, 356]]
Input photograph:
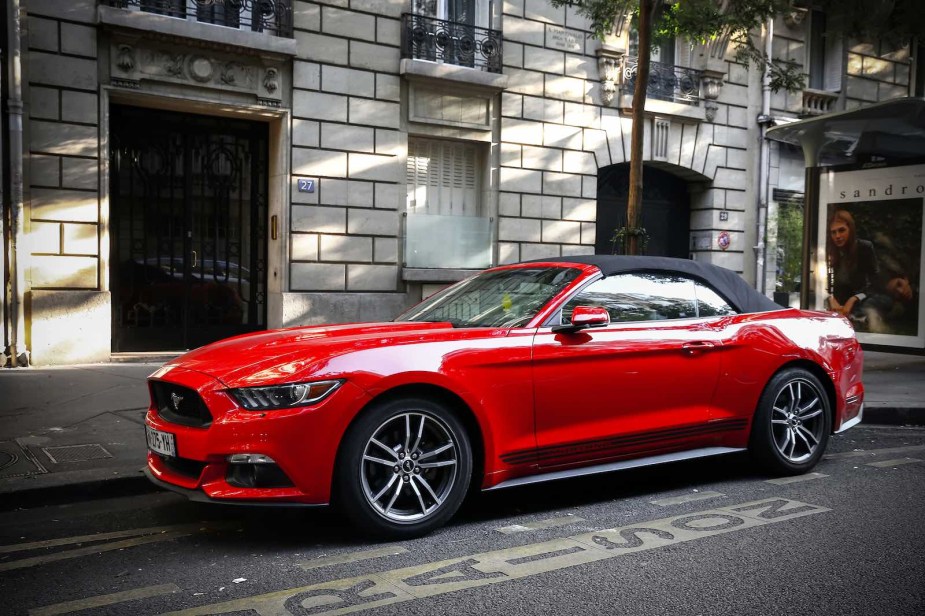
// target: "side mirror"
[[584, 317]]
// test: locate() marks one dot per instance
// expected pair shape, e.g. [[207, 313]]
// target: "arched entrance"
[[665, 210]]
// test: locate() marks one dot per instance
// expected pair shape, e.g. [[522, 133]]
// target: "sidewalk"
[[69, 433]]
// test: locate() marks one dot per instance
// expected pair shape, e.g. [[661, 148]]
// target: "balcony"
[[447, 42], [818, 102], [674, 84], [273, 17]]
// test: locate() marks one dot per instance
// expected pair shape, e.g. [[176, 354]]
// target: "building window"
[[825, 55], [446, 223], [452, 32]]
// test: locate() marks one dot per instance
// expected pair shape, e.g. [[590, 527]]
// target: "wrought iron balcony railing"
[[677, 84], [438, 40], [270, 16]]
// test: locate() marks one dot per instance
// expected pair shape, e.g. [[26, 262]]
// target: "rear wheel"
[[792, 423], [404, 468]]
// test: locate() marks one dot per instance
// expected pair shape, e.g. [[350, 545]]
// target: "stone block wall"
[[61, 166], [876, 72]]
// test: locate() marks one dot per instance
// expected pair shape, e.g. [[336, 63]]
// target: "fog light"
[[250, 458]]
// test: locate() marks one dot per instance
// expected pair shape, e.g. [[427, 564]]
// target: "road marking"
[[360, 593], [860, 453], [53, 543], [539, 525], [102, 600], [35, 561], [686, 498], [896, 462], [782, 481], [353, 557]]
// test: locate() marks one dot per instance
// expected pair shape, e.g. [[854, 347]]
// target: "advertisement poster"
[[869, 259]]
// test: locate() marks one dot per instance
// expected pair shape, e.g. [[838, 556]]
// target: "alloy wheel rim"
[[409, 467], [798, 420]]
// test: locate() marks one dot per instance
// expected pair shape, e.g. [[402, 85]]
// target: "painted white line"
[[896, 462], [539, 525], [119, 534], [101, 600], [860, 453], [781, 481], [24, 563], [365, 592], [686, 498], [353, 557]]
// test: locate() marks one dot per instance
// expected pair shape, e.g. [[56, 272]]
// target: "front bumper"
[[302, 441]]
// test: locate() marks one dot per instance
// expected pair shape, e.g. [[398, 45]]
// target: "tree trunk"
[[634, 199]]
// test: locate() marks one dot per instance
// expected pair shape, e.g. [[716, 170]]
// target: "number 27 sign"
[[306, 185]]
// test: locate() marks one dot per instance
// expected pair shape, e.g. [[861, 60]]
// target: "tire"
[[792, 423], [403, 469]]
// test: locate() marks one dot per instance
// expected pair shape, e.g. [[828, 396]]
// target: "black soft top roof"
[[729, 284]]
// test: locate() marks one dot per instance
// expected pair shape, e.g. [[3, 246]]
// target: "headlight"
[[283, 396]]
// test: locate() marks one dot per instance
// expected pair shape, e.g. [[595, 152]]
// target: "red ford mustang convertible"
[[523, 373]]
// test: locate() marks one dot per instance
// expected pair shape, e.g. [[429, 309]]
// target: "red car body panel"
[[534, 394]]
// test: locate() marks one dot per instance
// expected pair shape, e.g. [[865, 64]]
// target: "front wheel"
[[792, 423], [404, 468]]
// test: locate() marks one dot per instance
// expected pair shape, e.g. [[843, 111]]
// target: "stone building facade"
[[192, 170]]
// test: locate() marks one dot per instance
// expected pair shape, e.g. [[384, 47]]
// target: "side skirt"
[[616, 466]]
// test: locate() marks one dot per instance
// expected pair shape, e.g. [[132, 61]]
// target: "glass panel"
[[641, 296], [462, 242], [710, 304], [506, 298]]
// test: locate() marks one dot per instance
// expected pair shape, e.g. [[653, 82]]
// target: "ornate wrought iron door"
[[188, 227]]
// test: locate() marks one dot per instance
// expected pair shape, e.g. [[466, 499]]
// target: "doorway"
[[665, 210], [188, 228]]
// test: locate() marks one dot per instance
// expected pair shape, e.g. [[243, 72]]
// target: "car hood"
[[286, 355]]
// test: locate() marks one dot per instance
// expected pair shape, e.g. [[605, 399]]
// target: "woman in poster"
[[853, 268]]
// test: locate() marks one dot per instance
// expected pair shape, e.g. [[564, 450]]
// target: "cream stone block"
[[347, 24], [588, 233], [78, 40], [545, 60], [529, 252], [76, 10], [511, 155], [70, 327], [63, 71], [82, 173], [346, 248], [521, 131], [375, 113], [567, 88], [304, 246], [538, 206], [319, 106], [45, 170], [306, 16], [44, 103], [508, 252], [579, 162], [69, 139], [525, 31], [319, 219], [514, 7], [589, 187], [374, 57], [579, 209], [321, 48], [543, 109], [44, 238], [375, 167], [372, 277], [49, 271], [347, 81], [388, 87], [557, 135], [43, 34], [524, 82], [512, 54], [64, 205], [580, 66], [80, 239], [313, 162], [388, 31], [520, 180], [346, 137], [372, 222], [519, 230], [79, 107], [547, 159], [561, 232], [586, 116], [543, 10], [509, 204], [388, 196], [564, 184], [390, 142], [347, 192], [389, 8], [306, 75], [385, 250], [306, 133], [317, 276]]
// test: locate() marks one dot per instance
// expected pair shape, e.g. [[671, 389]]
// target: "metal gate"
[[188, 228]]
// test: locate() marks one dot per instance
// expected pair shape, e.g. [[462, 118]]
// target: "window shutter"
[[443, 178]]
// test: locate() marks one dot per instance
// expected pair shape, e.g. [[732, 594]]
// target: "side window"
[[710, 304], [641, 296]]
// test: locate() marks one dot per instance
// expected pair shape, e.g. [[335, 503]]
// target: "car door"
[[641, 384]]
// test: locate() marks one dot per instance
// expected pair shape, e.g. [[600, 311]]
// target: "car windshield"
[[501, 298]]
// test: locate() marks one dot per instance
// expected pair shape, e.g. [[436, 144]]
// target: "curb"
[[75, 492], [894, 415]]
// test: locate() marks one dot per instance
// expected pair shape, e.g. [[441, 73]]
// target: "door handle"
[[195, 260], [700, 345]]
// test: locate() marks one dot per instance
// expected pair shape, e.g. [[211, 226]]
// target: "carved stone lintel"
[[711, 84], [710, 108], [125, 58], [271, 80], [130, 84], [796, 16]]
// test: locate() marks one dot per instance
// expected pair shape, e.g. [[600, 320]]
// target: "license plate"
[[163, 443]]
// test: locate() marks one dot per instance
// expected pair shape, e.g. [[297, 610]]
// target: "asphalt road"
[[703, 537]]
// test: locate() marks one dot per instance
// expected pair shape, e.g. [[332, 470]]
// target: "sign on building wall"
[[869, 251]]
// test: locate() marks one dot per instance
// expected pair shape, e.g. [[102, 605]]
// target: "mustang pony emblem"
[[176, 400]]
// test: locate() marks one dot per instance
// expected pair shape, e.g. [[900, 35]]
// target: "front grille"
[[183, 466], [179, 405]]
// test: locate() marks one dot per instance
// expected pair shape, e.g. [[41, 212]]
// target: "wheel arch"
[[448, 398], [824, 378]]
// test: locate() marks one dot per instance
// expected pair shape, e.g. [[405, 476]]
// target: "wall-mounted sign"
[[724, 240], [306, 185]]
